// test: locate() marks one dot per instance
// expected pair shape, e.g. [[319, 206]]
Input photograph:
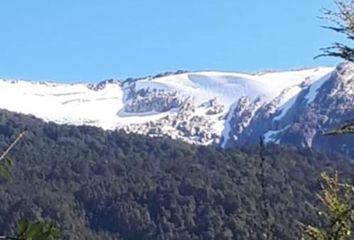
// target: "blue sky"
[[92, 40]]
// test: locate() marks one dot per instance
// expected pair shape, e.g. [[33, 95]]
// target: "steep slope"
[[196, 107], [302, 120]]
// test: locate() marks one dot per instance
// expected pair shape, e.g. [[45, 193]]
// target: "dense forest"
[[97, 184]]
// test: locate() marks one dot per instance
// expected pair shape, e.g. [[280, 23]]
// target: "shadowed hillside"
[[111, 185]]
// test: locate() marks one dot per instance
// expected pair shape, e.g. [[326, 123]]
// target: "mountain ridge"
[[206, 107]]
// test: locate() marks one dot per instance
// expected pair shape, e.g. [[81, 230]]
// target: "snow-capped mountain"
[[301, 120], [198, 107]]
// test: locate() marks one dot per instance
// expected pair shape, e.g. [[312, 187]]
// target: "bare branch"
[[11, 146]]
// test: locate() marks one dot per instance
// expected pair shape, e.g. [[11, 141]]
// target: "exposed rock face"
[[313, 111], [242, 116], [184, 124], [152, 101], [310, 109], [225, 109], [183, 121], [213, 107]]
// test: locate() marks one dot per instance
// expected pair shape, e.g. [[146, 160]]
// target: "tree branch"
[[3, 155]]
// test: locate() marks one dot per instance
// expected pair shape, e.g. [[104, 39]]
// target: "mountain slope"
[[302, 120], [97, 184], [196, 107]]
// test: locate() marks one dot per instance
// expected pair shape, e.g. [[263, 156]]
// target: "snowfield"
[[106, 107]]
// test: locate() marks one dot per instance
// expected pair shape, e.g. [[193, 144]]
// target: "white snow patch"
[[313, 90], [227, 126], [271, 135], [78, 104], [127, 118], [230, 87], [287, 101]]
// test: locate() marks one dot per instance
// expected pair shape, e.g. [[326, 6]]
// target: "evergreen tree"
[[342, 22], [26, 231], [347, 128], [337, 211]]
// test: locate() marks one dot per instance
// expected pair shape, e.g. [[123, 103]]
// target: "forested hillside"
[[99, 184]]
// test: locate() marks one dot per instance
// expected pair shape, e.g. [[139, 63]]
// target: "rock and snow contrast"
[[198, 107]]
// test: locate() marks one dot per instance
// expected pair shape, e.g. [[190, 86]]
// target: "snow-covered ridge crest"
[[196, 107]]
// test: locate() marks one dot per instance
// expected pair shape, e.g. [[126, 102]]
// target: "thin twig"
[[4, 154], [2, 157], [9, 238]]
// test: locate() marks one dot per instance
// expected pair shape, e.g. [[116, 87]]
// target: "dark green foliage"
[[5, 167], [5, 162], [26, 230], [343, 23], [37, 231], [336, 212], [110, 185], [347, 128]]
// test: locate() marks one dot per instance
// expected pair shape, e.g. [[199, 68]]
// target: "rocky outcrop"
[[241, 117], [317, 108], [299, 115], [152, 101], [184, 120], [184, 124]]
